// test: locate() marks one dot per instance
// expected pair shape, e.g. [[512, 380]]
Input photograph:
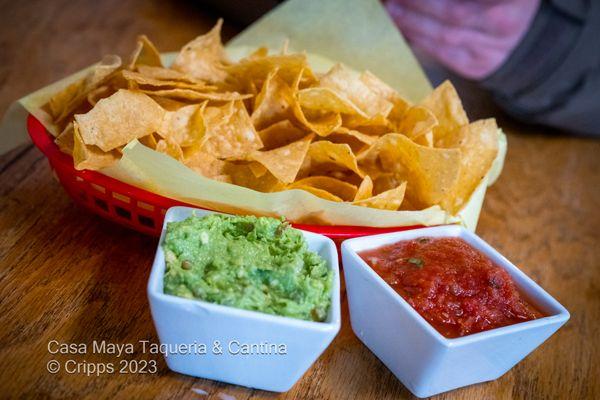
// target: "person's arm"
[[552, 77], [540, 59]]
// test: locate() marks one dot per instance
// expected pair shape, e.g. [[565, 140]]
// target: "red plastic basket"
[[136, 208]]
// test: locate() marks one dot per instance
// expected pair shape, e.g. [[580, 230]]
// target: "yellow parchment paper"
[[357, 33]]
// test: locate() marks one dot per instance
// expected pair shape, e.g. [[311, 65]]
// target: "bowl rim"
[[155, 289], [527, 286]]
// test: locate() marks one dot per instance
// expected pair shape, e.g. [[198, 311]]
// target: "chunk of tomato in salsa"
[[457, 289]]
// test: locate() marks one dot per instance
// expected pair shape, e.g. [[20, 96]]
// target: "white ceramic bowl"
[[426, 362], [180, 322]]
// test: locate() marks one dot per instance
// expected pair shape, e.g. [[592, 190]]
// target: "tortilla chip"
[[289, 67], [352, 87], [357, 141], [205, 164], [366, 139], [204, 57], [276, 102], [319, 193], [425, 140], [193, 95], [65, 102], [388, 200], [365, 190], [273, 103], [253, 90], [242, 174], [304, 77], [280, 134], [120, 118], [327, 100], [384, 181], [253, 123], [259, 53], [90, 157], [445, 104], [167, 103], [166, 74], [333, 154], [145, 53], [431, 172], [284, 162], [478, 144], [258, 169], [98, 94], [337, 187], [322, 125], [184, 126], [150, 83], [170, 148], [65, 140], [229, 131], [380, 88], [62, 103], [149, 141], [417, 121]]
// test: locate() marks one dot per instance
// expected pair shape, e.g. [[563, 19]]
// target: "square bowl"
[[254, 349], [425, 361]]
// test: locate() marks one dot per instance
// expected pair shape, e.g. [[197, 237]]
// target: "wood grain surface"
[[70, 276]]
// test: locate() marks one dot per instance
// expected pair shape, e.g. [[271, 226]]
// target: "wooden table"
[[70, 276]]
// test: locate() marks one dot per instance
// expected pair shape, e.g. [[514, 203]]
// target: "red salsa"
[[457, 289]]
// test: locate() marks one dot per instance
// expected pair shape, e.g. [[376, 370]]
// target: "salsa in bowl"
[[451, 284], [453, 311]]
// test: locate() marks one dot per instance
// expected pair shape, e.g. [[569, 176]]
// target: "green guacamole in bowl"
[[255, 263]]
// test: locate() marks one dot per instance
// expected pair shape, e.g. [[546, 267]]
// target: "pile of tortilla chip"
[[270, 123]]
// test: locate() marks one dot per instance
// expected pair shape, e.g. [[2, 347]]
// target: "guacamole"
[[254, 263]]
